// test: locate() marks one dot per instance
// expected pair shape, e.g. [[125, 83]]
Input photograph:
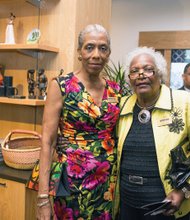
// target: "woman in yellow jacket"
[[153, 122]]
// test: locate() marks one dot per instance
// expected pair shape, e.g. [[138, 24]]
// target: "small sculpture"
[[9, 35], [42, 82], [31, 84]]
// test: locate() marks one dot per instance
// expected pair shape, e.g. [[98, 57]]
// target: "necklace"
[[144, 114]]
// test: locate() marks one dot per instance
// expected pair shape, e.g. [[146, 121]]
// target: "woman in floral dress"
[[84, 105]]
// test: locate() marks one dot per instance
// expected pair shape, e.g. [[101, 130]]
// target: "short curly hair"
[[159, 59]]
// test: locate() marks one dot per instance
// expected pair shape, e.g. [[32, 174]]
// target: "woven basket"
[[21, 152]]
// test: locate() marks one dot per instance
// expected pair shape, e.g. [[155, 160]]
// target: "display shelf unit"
[[33, 2], [33, 47], [55, 50], [25, 113], [30, 102]]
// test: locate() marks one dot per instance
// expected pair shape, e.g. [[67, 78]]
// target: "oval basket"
[[21, 152]]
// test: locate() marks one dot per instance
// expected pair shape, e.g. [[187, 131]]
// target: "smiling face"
[[95, 52], [143, 85]]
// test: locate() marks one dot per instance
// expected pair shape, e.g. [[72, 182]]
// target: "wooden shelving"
[[33, 2], [55, 50], [29, 102], [34, 47]]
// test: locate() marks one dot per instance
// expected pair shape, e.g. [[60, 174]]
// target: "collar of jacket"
[[163, 102]]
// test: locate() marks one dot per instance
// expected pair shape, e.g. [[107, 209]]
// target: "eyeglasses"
[[147, 72]]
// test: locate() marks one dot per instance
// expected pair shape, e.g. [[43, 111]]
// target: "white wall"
[[129, 17]]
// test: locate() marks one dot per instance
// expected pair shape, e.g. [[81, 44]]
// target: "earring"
[[80, 58]]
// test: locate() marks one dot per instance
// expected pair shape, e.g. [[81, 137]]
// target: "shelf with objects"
[[26, 44], [25, 39], [25, 33]]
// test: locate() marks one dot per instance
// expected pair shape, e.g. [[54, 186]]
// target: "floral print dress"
[[91, 154]]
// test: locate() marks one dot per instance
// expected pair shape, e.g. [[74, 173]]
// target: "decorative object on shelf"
[[31, 83], [1, 79], [8, 81], [8, 86], [9, 35], [23, 150], [42, 82], [2, 87], [2, 69], [11, 91], [2, 91], [34, 36], [1, 156]]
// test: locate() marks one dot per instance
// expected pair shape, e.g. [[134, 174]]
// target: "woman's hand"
[[176, 197]]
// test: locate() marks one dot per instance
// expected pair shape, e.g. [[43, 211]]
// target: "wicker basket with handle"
[[21, 152]]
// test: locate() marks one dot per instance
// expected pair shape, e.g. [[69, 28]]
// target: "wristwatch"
[[186, 192]]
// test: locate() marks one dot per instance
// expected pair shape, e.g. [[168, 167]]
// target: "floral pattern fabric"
[[91, 152]]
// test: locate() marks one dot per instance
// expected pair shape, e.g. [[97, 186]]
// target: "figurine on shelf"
[[42, 82], [31, 83], [9, 35], [1, 74]]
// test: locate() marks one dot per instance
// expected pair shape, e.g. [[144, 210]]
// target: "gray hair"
[[92, 28], [158, 58]]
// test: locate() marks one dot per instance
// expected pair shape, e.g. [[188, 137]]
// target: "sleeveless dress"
[[91, 154]]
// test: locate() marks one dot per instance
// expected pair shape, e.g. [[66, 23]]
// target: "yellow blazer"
[[171, 124]]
